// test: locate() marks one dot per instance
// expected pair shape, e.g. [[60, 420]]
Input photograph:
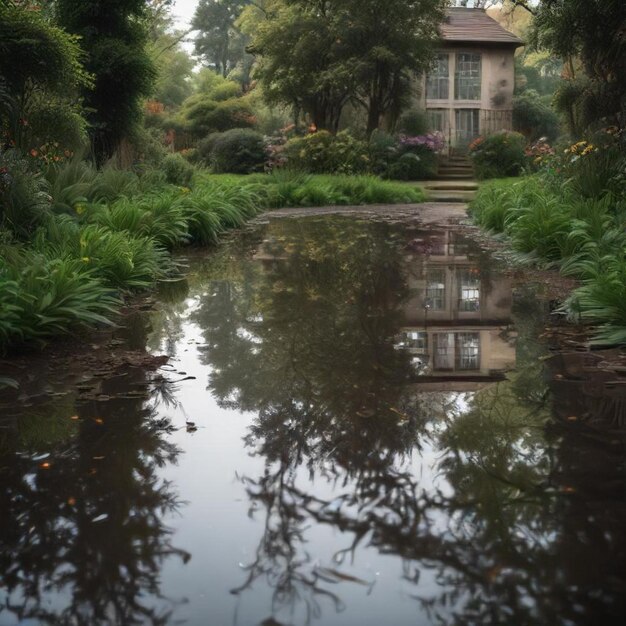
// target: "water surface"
[[359, 425]]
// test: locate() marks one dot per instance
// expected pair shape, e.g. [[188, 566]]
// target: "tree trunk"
[[373, 116]]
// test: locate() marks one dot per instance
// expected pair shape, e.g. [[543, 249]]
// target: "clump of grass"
[[43, 296], [286, 188], [584, 236]]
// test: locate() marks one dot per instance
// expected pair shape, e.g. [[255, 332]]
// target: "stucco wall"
[[497, 85]]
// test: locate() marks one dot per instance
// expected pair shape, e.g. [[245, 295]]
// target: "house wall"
[[495, 106]]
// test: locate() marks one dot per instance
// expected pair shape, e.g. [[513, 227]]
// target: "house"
[[456, 317], [469, 91]]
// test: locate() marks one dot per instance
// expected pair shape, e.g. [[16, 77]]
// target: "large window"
[[438, 119], [456, 351], [437, 86], [467, 125], [468, 351], [469, 290], [435, 294], [467, 77]]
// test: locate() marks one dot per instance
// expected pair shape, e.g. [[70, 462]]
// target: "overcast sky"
[[183, 11]]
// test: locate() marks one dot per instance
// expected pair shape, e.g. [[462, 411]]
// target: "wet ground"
[[349, 418]]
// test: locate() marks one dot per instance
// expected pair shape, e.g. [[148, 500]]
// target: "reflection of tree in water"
[[82, 539], [307, 342]]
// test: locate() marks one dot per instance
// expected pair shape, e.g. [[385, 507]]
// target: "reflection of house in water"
[[455, 315]]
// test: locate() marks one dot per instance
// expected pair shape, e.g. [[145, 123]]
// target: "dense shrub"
[[498, 155], [201, 115], [413, 123], [322, 152], [404, 158], [533, 118], [24, 197], [237, 151], [204, 149], [178, 171]]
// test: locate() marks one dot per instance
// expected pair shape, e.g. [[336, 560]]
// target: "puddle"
[[359, 423]]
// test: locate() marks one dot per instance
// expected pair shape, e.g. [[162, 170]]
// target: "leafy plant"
[[498, 155], [237, 151], [177, 170], [324, 153]]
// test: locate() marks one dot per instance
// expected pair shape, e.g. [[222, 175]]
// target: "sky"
[[183, 11]]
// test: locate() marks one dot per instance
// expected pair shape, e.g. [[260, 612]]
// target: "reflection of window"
[[457, 246], [460, 351], [469, 290], [416, 341], [444, 351], [436, 289], [438, 79], [467, 77], [468, 351]]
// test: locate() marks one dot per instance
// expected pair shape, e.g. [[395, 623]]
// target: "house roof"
[[474, 25]]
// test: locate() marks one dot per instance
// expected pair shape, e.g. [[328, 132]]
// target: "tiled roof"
[[475, 25]]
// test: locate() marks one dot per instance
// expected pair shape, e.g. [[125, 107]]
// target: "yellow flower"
[[85, 259]]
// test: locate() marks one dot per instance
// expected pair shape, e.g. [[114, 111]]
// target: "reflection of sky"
[[215, 527]]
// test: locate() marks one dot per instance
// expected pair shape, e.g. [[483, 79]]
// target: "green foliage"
[[174, 69], [318, 57], [114, 43], [237, 151], [40, 73], [219, 42], [413, 122], [24, 194], [412, 163], [111, 183], [33, 51], [287, 188], [585, 236], [401, 158], [498, 155], [43, 296], [201, 115], [598, 166], [119, 259], [589, 31], [322, 152], [533, 118], [177, 170]]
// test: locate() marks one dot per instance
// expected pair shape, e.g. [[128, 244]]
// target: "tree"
[[589, 33], [317, 55], [388, 43], [300, 60], [219, 42], [114, 40], [40, 73], [174, 69]]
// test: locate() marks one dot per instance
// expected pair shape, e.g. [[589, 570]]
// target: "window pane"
[[443, 358], [435, 294], [468, 351], [438, 79], [469, 290], [467, 77]]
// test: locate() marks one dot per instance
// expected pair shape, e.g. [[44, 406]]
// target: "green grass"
[[584, 236], [292, 189]]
